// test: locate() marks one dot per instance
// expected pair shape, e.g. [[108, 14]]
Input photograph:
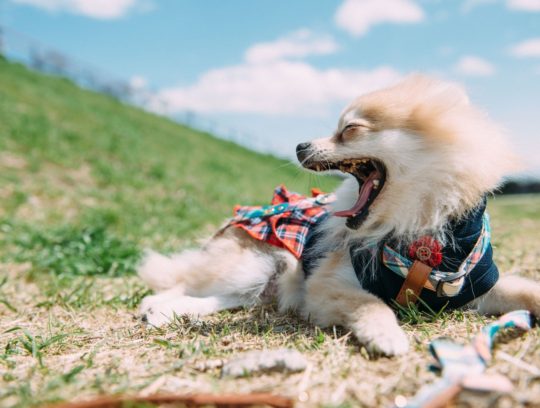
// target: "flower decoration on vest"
[[426, 250]]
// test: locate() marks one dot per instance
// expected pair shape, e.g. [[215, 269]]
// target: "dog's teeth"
[[376, 183]]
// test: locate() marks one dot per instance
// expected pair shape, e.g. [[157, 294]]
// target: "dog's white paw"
[[154, 312], [160, 309], [382, 338], [156, 318]]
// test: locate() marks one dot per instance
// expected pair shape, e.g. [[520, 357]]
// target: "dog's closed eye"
[[351, 130]]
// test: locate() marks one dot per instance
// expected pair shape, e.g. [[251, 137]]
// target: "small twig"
[[519, 363], [337, 395], [153, 387], [524, 349], [303, 396], [344, 338]]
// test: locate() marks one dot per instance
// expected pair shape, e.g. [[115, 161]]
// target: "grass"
[[87, 183], [76, 158]]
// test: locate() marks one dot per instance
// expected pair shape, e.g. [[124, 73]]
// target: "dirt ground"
[[84, 340]]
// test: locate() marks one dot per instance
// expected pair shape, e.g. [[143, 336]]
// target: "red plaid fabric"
[[290, 226]]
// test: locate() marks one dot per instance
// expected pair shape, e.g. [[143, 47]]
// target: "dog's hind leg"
[[162, 308], [194, 269], [510, 293], [162, 272], [231, 270]]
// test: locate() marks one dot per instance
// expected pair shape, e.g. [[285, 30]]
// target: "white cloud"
[[278, 87], [528, 48], [469, 5], [271, 80], [471, 65], [298, 44], [100, 9], [525, 5], [358, 16], [138, 82], [521, 5]]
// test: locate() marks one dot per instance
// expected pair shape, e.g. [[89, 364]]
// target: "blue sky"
[[273, 73]]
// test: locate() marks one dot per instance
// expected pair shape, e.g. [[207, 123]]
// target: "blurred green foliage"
[[88, 181]]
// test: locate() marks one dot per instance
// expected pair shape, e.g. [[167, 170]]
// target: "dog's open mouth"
[[371, 176]]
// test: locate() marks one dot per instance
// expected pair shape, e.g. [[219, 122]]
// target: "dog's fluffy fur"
[[442, 156]]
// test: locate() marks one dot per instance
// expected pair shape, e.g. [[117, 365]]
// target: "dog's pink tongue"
[[363, 197]]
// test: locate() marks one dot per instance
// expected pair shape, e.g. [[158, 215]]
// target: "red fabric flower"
[[427, 250]]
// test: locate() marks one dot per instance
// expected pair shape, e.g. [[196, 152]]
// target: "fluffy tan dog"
[[419, 161]]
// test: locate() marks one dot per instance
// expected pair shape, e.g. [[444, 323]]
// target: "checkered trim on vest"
[[287, 221]]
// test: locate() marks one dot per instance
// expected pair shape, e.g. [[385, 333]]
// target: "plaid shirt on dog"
[[286, 222]]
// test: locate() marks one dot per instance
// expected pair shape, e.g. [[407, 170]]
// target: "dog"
[[418, 160]]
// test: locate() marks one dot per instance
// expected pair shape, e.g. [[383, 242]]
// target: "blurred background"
[[269, 74]]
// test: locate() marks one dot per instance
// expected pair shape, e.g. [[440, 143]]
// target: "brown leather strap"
[[414, 283]]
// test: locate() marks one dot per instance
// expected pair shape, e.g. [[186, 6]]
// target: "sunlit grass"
[[87, 183]]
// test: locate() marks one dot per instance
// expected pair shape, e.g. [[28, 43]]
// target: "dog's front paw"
[[389, 344], [383, 338]]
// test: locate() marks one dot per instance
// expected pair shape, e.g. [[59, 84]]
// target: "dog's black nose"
[[302, 151]]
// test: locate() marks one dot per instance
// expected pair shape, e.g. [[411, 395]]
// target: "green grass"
[[77, 165], [86, 183], [95, 159]]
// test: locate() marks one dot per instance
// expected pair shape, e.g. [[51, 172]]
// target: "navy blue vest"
[[386, 284]]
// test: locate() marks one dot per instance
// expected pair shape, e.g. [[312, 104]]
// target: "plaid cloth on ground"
[[286, 222], [463, 366]]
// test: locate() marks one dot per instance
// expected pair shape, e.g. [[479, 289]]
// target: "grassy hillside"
[[73, 157], [87, 182]]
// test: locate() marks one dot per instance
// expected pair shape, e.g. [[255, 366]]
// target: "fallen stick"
[[195, 400]]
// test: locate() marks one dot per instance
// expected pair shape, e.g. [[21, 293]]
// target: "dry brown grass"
[[101, 348]]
